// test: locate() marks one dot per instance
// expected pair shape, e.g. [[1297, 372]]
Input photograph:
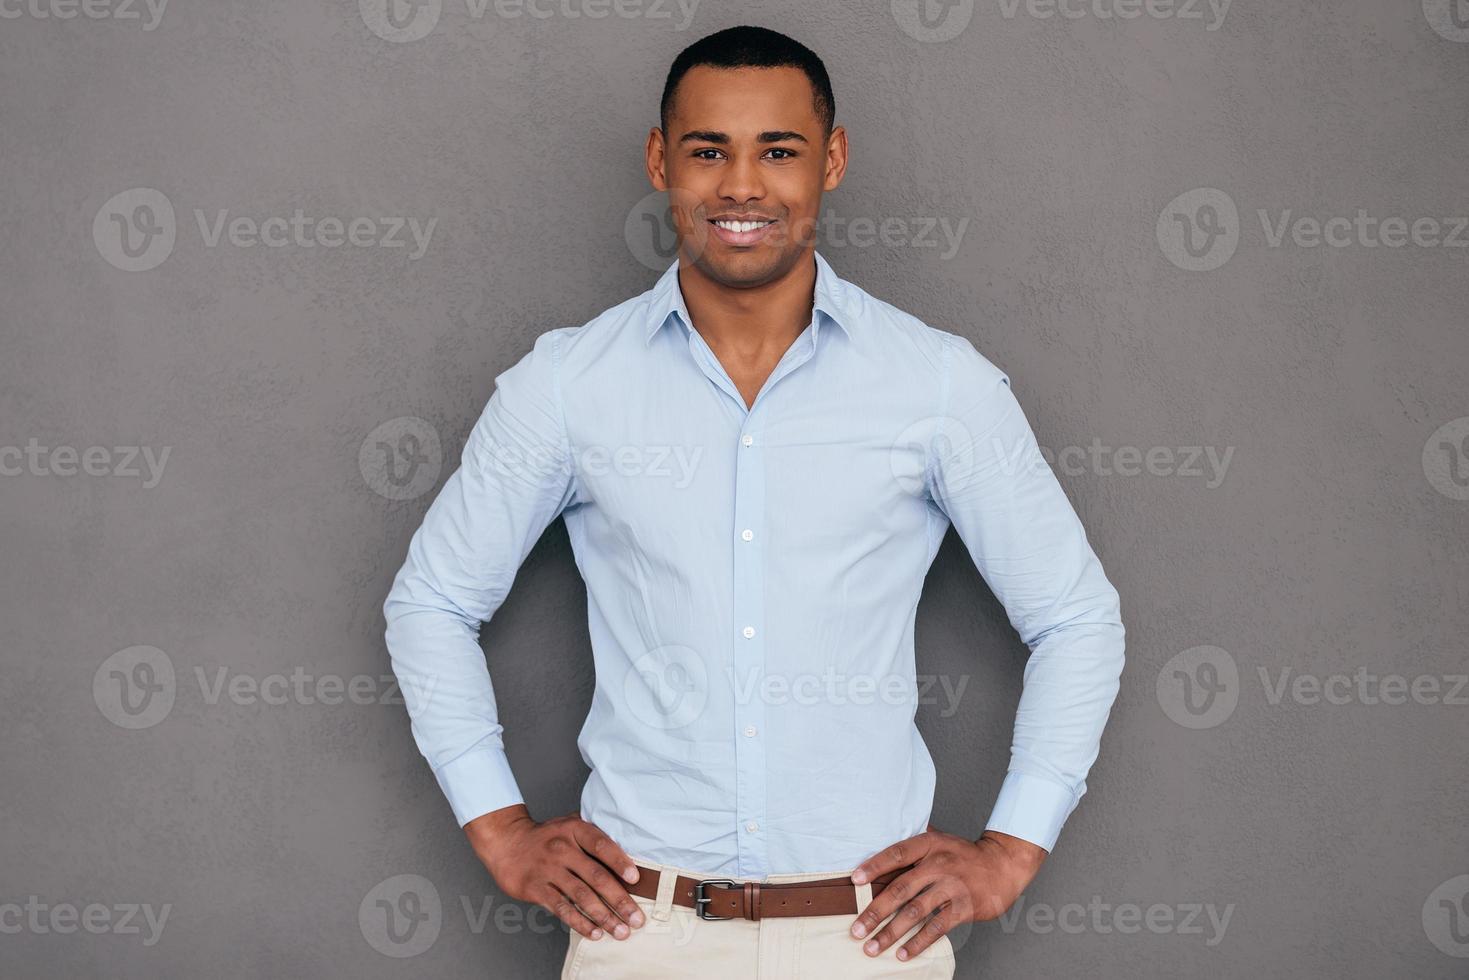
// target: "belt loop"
[[864, 895], [667, 883]]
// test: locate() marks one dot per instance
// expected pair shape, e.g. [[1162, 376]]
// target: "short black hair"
[[752, 47]]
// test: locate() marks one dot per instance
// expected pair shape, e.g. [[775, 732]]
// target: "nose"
[[741, 181]]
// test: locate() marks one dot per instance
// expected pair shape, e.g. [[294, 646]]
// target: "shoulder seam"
[[560, 403], [944, 395]]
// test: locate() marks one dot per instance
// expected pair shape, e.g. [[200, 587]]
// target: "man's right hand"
[[555, 864]]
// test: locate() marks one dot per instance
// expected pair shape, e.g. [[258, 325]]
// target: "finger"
[[909, 915], [944, 919], [595, 842], [590, 905], [891, 858], [564, 909], [898, 891], [608, 889]]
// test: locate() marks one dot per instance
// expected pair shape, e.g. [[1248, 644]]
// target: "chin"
[[744, 268]]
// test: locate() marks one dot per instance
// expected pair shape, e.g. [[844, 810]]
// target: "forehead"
[[744, 100]]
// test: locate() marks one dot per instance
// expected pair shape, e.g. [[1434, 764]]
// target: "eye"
[[699, 154], [789, 154]]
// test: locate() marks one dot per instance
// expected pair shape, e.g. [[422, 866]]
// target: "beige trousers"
[[673, 942]]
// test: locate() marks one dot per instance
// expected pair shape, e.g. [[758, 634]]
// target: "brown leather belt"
[[725, 898]]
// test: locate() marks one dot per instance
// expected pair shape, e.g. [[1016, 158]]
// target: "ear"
[[836, 158], [654, 159]]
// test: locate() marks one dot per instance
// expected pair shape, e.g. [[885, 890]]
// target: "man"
[[756, 462]]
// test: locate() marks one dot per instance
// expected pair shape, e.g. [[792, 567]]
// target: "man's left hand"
[[953, 879]]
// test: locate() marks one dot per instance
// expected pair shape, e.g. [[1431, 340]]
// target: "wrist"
[[1025, 853], [489, 829]]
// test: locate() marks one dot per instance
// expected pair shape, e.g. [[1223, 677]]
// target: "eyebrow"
[[769, 136]]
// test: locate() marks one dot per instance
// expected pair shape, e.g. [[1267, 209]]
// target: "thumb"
[[595, 842]]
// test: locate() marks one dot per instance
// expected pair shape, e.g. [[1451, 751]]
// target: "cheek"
[[802, 225], [800, 196]]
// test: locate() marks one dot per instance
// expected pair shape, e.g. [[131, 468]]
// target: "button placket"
[[749, 653], [749, 599]]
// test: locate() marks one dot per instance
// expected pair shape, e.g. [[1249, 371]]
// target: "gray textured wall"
[[1124, 204]]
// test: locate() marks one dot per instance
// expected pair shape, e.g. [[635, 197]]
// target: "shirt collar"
[[830, 299]]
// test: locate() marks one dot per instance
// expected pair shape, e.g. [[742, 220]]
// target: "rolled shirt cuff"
[[478, 782], [1032, 808]]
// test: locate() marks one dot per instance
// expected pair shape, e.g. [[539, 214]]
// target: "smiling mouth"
[[742, 233], [742, 227]]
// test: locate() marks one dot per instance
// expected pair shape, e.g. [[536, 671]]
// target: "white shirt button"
[[748, 440], [747, 534], [752, 826], [749, 731], [749, 631]]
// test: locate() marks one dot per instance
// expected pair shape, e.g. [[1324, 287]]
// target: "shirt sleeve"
[[514, 478], [987, 475]]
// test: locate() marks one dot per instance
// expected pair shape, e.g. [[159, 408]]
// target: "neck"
[[750, 319]]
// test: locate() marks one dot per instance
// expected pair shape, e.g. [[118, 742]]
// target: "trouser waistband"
[[713, 897]]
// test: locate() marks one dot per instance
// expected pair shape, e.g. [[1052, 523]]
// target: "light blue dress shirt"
[[752, 579]]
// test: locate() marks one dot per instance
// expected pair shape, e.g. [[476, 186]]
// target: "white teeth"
[[741, 226]]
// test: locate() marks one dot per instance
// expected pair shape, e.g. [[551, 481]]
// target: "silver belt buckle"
[[700, 900]]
